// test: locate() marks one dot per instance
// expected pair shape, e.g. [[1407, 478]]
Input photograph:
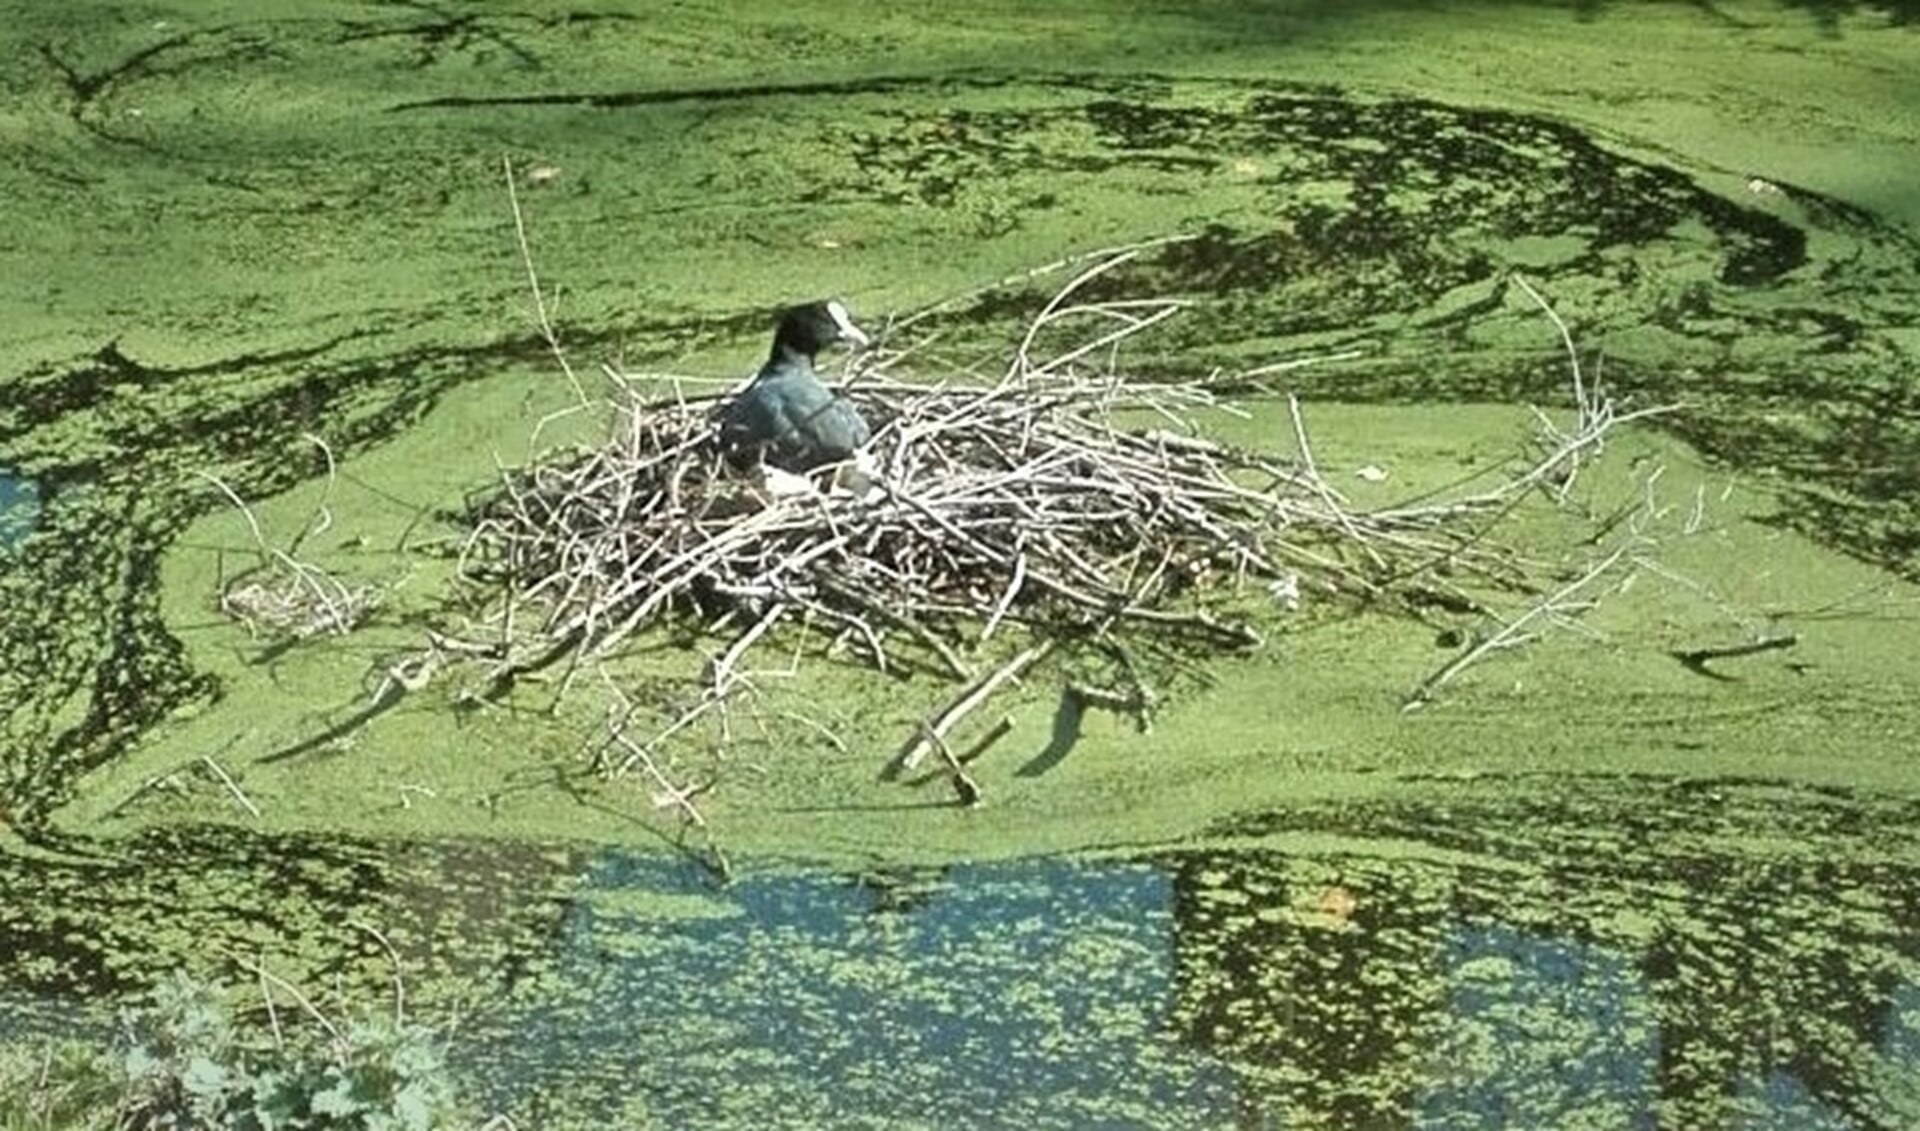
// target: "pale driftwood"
[[1513, 633]]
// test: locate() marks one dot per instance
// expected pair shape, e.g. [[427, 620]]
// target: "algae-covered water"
[[1592, 885], [1639, 952]]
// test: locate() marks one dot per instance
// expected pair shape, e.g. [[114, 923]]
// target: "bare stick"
[[260, 971], [322, 520], [964, 787], [533, 284], [246, 512], [722, 669], [1698, 658], [1098, 255], [273, 1012], [1020, 491], [393, 956], [233, 788], [937, 728], [817, 727], [1335, 505], [329, 605], [986, 741], [1566, 338], [1512, 633]]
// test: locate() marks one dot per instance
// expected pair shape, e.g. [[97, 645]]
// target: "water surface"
[[237, 228], [1605, 951], [19, 508]]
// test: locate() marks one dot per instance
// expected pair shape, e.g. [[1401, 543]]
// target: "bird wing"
[[795, 419]]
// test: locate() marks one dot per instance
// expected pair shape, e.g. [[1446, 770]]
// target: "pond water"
[[237, 234], [19, 508], [1640, 952]]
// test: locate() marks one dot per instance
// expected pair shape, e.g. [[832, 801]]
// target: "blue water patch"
[[19, 508], [1034, 992], [1543, 1031], [1198, 988], [1782, 1102]]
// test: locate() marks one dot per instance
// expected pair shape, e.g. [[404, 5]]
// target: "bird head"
[[814, 326]]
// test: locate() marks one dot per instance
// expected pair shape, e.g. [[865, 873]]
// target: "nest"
[[979, 506], [1056, 495]]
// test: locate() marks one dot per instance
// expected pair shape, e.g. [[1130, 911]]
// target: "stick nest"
[[1061, 499], [1054, 493]]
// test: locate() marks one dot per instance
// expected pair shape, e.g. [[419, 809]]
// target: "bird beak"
[[849, 333]]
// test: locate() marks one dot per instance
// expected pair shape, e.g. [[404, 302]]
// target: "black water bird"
[[786, 417]]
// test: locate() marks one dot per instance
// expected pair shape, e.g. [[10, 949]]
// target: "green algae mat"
[[1594, 884]]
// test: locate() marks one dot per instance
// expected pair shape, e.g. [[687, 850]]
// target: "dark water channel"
[[1626, 952]]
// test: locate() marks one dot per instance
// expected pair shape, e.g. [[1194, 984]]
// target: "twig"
[[965, 789], [260, 971], [980, 746], [1512, 633], [273, 1012], [1697, 659], [393, 956], [1580, 402], [1021, 493], [233, 788], [327, 604], [533, 284], [937, 728], [986, 741], [322, 520]]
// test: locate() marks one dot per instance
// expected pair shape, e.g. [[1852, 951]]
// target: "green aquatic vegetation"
[[1628, 874], [62, 1085], [1591, 951], [1080, 512], [183, 1062], [1316, 713], [911, 159], [1538, 947]]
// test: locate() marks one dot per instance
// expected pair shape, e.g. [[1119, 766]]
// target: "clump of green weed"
[[60, 1086], [183, 1063]]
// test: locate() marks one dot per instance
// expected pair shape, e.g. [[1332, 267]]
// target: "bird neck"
[[789, 358]]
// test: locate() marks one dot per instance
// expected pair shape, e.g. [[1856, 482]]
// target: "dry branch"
[[933, 733]]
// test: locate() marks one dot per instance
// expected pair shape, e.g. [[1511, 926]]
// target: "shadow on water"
[[1902, 11], [1696, 954], [1826, 13], [1606, 951], [1389, 231], [1613, 951], [1829, 13], [109, 512]]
